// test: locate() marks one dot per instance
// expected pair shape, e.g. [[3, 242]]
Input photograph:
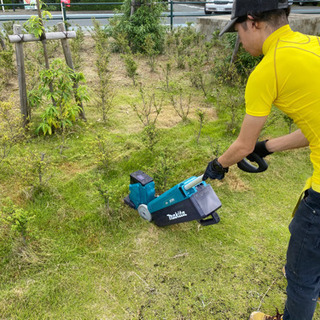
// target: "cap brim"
[[229, 27]]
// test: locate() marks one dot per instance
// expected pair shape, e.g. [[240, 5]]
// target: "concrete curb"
[[305, 23]]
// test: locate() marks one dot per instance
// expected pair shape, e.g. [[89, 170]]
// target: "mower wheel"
[[144, 212]]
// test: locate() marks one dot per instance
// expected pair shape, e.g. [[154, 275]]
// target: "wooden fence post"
[[21, 77], [68, 57]]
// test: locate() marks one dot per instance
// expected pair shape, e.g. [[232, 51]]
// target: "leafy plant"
[[63, 112], [16, 218], [35, 24], [137, 26], [131, 67]]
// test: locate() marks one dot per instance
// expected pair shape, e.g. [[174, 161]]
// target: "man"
[[287, 77]]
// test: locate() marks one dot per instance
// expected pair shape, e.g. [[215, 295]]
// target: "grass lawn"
[[85, 255]]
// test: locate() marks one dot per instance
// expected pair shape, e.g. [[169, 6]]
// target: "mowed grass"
[[83, 261]]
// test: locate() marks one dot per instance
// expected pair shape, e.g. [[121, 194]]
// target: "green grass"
[[82, 261]]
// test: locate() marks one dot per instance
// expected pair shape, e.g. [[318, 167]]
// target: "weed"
[[149, 48], [16, 218], [104, 193], [197, 74], [181, 108], [165, 165], [7, 66], [11, 130], [105, 92], [201, 117], [76, 46], [103, 150], [231, 104], [288, 121], [232, 73], [185, 39], [215, 147], [148, 113], [35, 169], [167, 72], [131, 67]]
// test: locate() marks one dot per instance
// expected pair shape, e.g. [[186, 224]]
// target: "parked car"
[[302, 2], [224, 6], [218, 6]]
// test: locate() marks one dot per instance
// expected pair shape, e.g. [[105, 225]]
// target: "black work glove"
[[214, 170], [260, 149]]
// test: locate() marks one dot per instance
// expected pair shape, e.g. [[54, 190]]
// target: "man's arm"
[[293, 140], [245, 143]]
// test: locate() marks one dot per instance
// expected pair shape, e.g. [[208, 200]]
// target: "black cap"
[[242, 8]]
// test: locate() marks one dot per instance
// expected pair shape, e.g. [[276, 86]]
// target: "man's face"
[[249, 36]]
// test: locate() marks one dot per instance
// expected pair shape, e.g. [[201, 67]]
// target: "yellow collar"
[[274, 36]]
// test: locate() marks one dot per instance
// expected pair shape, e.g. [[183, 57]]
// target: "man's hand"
[[260, 149], [214, 170]]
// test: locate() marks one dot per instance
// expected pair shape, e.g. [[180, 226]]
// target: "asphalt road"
[[182, 14]]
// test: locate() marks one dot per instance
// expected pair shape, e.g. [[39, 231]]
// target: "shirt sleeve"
[[260, 90]]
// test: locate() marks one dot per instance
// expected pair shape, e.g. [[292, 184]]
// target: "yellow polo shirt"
[[289, 78]]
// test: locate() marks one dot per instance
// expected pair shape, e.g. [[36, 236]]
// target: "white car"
[[301, 3], [224, 6], [217, 6]]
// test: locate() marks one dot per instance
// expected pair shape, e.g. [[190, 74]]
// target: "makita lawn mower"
[[192, 199]]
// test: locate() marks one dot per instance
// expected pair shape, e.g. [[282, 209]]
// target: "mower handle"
[[193, 183], [244, 165]]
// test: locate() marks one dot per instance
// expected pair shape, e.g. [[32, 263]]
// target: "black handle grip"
[[244, 165]]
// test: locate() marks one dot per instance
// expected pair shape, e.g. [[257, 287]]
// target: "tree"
[[140, 21]]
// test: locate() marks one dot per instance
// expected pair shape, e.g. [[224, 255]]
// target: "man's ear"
[[253, 23]]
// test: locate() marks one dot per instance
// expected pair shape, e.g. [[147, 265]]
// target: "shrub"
[[57, 86], [148, 113], [105, 91], [16, 218], [11, 130], [143, 24], [224, 70]]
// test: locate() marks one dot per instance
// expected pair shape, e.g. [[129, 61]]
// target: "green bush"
[[83, 5], [57, 86], [243, 64], [141, 26]]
